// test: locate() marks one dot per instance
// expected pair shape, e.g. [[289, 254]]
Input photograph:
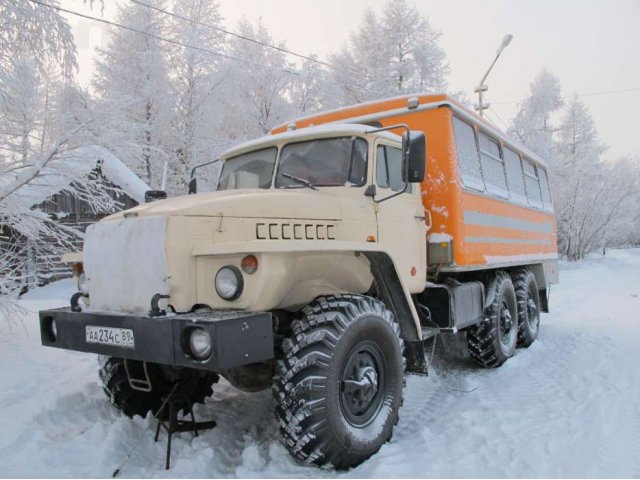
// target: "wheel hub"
[[361, 385], [506, 324]]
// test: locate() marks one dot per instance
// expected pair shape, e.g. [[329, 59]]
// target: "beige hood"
[[247, 203]]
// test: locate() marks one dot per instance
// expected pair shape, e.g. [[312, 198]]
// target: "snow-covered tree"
[[532, 123], [38, 33], [256, 86], [134, 98], [195, 78], [588, 191], [395, 53], [20, 112], [312, 90]]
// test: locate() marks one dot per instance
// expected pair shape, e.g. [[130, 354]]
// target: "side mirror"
[[193, 186], [154, 195], [414, 159]]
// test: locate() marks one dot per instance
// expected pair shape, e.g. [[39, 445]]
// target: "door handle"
[[427, 215]]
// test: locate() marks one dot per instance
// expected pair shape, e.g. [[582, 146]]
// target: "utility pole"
[[482, 87]]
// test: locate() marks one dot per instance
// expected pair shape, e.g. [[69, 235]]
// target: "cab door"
[[402, 229]]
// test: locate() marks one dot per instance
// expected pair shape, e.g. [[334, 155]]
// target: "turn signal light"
[[249, 264], [77, 269]]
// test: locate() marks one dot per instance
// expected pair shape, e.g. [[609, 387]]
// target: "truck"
[[329, 254]]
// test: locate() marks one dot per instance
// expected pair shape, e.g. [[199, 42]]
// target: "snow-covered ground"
[[569, 406]]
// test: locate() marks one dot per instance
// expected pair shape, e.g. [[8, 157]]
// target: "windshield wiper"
[[301, 181]]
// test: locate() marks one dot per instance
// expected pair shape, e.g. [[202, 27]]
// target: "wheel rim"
[[506, 326], [362, 384], [533, 313]]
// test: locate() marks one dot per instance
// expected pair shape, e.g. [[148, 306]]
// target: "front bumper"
[[238, 338]]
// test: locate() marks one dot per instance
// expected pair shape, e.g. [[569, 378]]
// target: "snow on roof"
[[314, 132], [77, 163]]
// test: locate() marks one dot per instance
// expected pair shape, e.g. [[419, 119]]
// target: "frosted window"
[[249, 170], [544, 186], [515, 178], [468, 159], [531, 182], [329, 162], [492, 166]]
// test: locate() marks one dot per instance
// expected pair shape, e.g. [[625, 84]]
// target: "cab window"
[[249, 170], [389, 168], [328, 162]]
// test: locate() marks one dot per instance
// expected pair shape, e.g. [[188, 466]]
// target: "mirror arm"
[[389, 197], [193, 170]]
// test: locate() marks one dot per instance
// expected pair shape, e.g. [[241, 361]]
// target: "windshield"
[[249, 170], [328, 162]]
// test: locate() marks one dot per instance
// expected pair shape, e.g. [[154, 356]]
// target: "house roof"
[[76, 164]]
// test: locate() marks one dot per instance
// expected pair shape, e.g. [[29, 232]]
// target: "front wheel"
[[195, 384], [339, 385]]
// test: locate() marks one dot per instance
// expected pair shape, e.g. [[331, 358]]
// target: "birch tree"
[[195, 78], [395, 53], [532, 124], [134, 99], [256, 86]]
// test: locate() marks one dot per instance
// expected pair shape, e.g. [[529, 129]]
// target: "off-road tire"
[[528, 298], [195, 384], [486, 345], [317, 411]]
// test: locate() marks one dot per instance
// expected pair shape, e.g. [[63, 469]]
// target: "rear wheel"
[[339, 385], [195, 384], [528, 298], [493, 341]]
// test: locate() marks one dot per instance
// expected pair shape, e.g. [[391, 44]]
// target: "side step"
[[428, 332]]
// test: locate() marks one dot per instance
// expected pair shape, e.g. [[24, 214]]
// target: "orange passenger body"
[[488, 196]]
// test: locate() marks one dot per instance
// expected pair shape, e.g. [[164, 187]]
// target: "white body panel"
[[126, 264]]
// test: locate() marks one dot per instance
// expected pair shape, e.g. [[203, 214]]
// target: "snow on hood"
[[248, 203], [76, 164]]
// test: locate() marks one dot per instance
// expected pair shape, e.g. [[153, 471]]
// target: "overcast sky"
[[592, 45]]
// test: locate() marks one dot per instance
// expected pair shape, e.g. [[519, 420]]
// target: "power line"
[[237, 35], [495, 113], [193, 47], [591, 94], [258, 42], [157, 37]]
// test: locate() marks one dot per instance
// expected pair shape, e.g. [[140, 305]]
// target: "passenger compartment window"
[[467, 150], [531, 182], [515, 178], [492, 166], [544, 186], [389, 168]]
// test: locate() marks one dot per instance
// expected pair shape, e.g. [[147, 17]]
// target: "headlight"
[[200, 343], [54, 330], [229, 282]]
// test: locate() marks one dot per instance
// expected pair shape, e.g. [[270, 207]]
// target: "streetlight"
[[481, 88]]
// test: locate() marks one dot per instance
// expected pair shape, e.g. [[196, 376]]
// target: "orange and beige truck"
[[329, 254]]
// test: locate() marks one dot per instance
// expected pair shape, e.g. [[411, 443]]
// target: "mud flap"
[[416, 358]]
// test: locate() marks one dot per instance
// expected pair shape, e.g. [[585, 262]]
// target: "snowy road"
[[569, 406]]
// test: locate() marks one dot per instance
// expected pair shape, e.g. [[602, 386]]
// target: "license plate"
[[120, 337]]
